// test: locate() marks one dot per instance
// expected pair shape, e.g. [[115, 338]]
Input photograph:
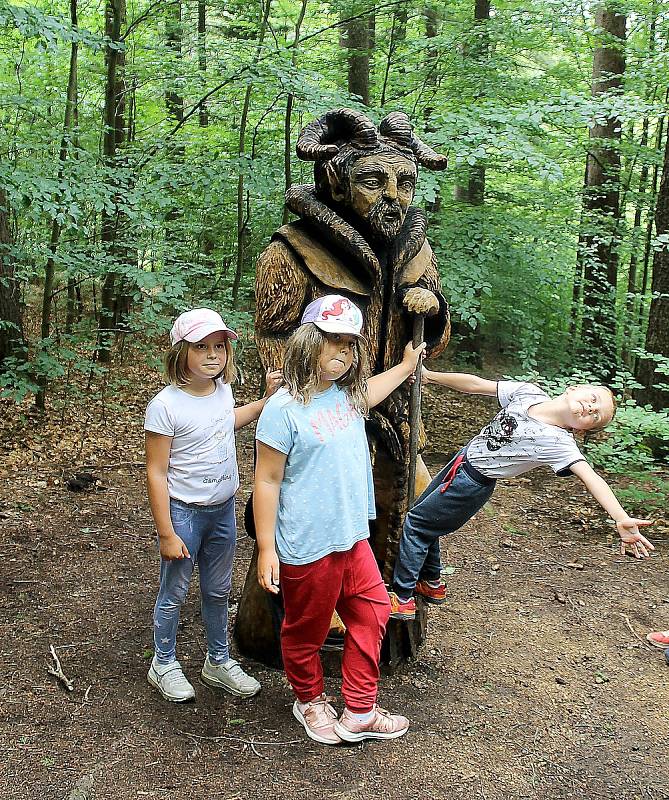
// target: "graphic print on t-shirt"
[[500, 431], [326, 423]]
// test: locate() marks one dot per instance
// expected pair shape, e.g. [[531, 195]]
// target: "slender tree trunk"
[[473, 193], [358, 47], [242, 218], [397, 36], [113, 139], [601, 202], [646, 272], [202, 55], [54, 239], [288, 148], [11, 331], [657, 336], [632, 299]]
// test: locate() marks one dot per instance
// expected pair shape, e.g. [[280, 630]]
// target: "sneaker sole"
[[403, 617], [216, 684], [431, 600], [300, 718], [349, 736], [170, 698]]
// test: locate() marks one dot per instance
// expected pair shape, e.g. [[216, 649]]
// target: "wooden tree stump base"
[[258, 625]]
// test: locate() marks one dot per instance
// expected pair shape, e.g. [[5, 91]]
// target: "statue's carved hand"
[[421, 301]]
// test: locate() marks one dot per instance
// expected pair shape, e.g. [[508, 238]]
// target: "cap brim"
[[205, 330], [336, 327]]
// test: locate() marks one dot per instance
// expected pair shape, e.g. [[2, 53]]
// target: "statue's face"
[[381, 189]]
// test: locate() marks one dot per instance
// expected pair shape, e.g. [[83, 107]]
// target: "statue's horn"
[[396, 126], [317, 140]]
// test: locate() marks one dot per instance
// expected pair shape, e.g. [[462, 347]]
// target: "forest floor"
[[535, 680]]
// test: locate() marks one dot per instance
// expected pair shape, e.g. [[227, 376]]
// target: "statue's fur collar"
[[302, 200]]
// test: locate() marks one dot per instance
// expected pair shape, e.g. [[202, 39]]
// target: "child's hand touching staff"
[[268, 571], [628, 530]]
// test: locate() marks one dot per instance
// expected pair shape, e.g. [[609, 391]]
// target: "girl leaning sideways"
[[313, 498], [192, 478]]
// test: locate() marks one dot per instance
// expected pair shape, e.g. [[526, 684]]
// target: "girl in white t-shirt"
[[192, 478]]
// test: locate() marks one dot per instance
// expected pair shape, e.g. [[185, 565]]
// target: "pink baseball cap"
[[193, 326], [334, 314]]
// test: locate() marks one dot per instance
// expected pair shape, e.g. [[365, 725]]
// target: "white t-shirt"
[[514, 442], [203, 460]]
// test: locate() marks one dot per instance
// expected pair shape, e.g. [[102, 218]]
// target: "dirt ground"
[[535, 680]]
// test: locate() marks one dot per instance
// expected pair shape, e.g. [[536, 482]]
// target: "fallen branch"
[[250, 742], [57, 671], [633, 632]]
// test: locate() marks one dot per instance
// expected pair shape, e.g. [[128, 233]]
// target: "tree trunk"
[[202, 55], [242, 218], [54, 239], [287, 145], [11, 331], [473, 193], [598, 246], [113, 139], [657, 336], [632, 299], [397, 36], [358, 46]]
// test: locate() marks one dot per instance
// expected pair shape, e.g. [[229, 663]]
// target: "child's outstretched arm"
[[461, 382], [381, 385], [157, 461], [251, 411], [627, 527], [270, 466]]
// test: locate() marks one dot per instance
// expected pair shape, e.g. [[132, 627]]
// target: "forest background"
[[146, 148]]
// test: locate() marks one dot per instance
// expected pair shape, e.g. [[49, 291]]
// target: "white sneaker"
[[170, 681], [231, 677]]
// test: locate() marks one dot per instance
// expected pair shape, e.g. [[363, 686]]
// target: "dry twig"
[[633, 632], [57, 671]]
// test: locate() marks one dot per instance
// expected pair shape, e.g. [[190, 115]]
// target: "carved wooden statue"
[[357, 235]]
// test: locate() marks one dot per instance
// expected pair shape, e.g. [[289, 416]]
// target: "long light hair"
[[176, 364], [302, 372]]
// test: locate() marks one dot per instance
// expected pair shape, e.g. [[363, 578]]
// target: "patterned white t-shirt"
[[514, 442], [203, 459], [327, 492]]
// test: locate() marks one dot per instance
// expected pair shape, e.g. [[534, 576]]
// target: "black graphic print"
[[500, 431]]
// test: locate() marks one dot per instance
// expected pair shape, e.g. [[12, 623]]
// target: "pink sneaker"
[[318, 719], [659, 639], [382, 725]]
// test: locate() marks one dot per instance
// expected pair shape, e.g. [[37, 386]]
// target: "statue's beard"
[[385, 220]]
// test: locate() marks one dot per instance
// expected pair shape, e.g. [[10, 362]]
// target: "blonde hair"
[[302, 372], [176, 364]]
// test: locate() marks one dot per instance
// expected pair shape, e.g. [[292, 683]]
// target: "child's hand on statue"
[[273, 380]]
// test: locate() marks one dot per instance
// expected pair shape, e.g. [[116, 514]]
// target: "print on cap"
[[334, 314]]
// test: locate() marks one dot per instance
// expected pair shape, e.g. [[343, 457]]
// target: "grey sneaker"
[[382, 725], [318, 719], [170, 681], [231, 677]]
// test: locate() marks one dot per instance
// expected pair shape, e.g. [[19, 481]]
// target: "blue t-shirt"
[[327, 493]]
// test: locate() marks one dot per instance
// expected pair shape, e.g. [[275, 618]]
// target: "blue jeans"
[[435, 514], [210, 534]]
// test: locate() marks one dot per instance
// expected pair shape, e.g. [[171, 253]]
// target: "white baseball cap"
[[195, 325], [334, 314]]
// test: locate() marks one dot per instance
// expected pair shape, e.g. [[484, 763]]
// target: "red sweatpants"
[[351, 583]]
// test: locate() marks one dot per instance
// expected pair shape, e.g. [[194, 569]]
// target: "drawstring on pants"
[[450, 475]]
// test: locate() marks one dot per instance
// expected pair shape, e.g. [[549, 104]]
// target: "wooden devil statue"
[[358, 235]]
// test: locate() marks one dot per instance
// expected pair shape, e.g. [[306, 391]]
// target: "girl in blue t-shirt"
[[313, 498]]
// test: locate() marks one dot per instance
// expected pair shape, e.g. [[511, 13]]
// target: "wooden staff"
[[414, 411]]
